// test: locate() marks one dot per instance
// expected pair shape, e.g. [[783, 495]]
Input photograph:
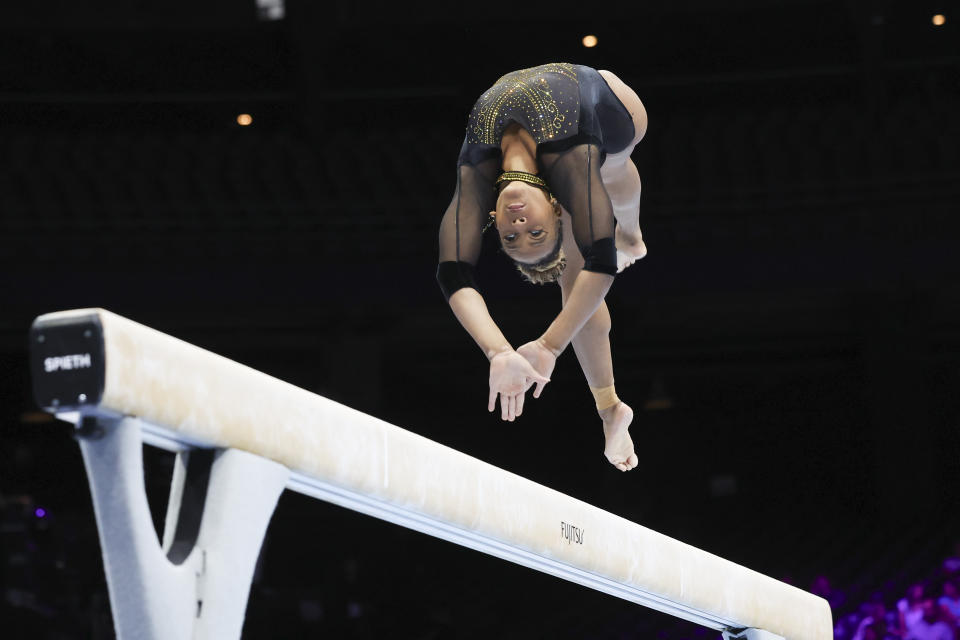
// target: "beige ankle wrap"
[[605, 397]]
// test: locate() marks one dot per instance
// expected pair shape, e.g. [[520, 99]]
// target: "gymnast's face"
[[526, 222]]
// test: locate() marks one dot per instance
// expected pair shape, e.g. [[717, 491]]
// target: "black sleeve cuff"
[[601, 257], [453, 276]]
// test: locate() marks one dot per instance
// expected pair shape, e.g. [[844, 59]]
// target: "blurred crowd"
[[929, 609]]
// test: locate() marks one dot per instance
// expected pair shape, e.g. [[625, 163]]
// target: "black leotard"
[[576, 120]]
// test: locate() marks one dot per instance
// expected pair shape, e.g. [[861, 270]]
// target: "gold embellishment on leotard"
[[526, 95], [523, 176]]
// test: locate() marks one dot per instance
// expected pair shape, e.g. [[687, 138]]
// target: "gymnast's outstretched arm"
[[461, 231], [588, 225]]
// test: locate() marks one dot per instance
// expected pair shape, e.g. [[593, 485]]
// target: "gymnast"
[[546, 163]]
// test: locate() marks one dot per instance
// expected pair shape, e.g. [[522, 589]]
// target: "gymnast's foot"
[[630, 247], [619, 447]]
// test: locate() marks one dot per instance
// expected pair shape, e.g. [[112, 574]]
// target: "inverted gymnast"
[[547, 149]]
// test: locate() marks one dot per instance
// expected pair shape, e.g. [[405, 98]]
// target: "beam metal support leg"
[[197, 584], [241, 498]]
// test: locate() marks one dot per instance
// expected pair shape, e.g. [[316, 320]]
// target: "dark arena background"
[[266, 179]]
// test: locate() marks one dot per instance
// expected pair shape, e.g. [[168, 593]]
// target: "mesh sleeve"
[[461, 230], [574, 178]]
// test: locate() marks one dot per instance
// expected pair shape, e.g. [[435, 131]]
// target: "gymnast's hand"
[[510, 377], [542, 359]]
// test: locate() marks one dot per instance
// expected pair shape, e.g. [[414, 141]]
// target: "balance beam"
[[243, 436]]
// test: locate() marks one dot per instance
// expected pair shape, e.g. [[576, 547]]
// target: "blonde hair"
[[544, 272], [550, 268]]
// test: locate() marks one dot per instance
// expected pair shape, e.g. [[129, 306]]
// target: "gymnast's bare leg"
[[622, 181], [592, 343], [592, 346]]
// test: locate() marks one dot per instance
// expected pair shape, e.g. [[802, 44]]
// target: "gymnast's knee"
[[599, 325]]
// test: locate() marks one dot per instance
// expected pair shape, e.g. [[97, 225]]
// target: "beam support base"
[[197, 583]]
